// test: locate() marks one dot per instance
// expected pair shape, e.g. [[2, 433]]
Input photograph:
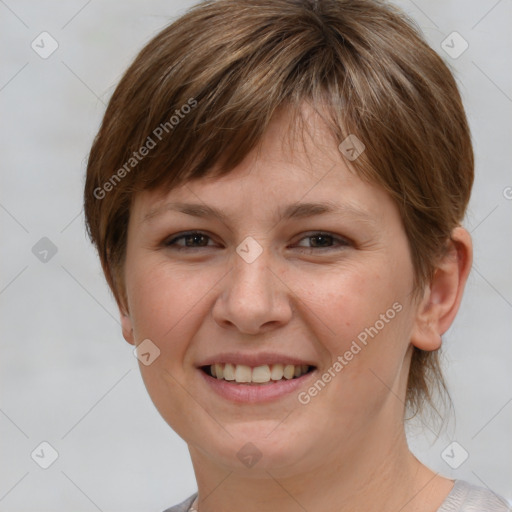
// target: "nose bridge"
[[252, 296], [251, 277]]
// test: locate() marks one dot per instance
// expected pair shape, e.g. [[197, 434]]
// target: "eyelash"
[[342, 242]]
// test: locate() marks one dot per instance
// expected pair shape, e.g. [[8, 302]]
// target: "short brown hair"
[[234, 64]]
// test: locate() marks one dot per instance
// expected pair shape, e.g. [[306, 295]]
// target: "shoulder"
[[466, 497], [183, 506]]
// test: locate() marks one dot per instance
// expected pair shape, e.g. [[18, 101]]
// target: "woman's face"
[[273, 282]]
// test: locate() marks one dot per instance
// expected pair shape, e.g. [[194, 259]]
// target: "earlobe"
[[124, 311], [127, 327], [426, 334], [442, 298]]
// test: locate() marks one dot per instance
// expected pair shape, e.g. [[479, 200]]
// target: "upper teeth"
[[259, 374]]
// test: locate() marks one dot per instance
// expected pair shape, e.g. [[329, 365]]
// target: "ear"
[[441, 299], [126, 319], [117, 286], [126, 326]]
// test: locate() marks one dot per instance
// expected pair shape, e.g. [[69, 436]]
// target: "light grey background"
[[69, 378]]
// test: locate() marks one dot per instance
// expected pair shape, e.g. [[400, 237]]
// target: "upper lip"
[[253, 360]]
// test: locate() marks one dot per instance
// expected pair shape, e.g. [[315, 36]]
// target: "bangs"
[[200, 96], [204, 123]]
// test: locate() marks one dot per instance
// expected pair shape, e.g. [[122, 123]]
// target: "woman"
[[276, 194]]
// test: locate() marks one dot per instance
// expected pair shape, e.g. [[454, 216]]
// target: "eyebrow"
[[291, 211]]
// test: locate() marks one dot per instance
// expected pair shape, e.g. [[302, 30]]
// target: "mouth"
[[243, 384], [261, 375]]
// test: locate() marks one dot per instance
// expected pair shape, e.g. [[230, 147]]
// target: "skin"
[[346, 449]]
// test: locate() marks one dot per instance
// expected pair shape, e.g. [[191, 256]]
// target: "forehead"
[[293, 172], [251, 198]]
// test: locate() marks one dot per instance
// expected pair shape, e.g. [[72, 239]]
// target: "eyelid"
[[337, 238], [342, 241], [168, 242]]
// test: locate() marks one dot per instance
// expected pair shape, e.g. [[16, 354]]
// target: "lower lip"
[[246, 393]]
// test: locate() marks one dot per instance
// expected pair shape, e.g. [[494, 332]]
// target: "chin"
[[259, 447]]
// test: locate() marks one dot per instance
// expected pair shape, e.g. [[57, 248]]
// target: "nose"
[[253, 298]]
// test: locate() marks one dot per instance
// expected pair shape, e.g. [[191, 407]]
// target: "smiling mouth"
[[258, 375]]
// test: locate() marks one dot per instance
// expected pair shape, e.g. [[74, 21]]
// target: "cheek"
[[344, 303], [167, 308], [362, 319], [166, 303]]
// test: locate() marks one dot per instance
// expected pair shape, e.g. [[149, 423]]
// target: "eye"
[[325, 241], [192, 240], [320, 241]]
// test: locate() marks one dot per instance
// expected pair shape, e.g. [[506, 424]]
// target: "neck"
[[373, 475]]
